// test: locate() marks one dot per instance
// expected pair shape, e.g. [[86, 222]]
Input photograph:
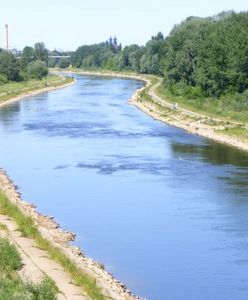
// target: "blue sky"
[[67, 24]]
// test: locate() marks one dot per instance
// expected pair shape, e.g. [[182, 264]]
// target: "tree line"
[[201, 57], [32, 64]]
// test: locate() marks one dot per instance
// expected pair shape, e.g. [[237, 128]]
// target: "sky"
[[68, 24]]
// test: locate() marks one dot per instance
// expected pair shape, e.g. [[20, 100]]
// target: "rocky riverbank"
[[51, 231]]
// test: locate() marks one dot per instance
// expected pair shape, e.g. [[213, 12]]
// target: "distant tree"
[[37, 69], [9, 66], [64, 63], [52, 62], [158, 37], [27, 56], [40, 52]]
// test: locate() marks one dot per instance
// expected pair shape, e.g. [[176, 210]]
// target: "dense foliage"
[[130, 58], [37, 69], [31, 64], [9, 66], [201, 57], [210, 55]]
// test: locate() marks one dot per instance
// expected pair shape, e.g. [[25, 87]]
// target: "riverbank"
[[217, 129], [13, 92], [104, 281], [84, 271], [127, 75], [148, 100], [48, 236]]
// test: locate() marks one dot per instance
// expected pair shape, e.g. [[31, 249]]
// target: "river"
[[165, 211]]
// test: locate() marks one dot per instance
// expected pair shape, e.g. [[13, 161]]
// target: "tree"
[[37, 69], [27, 56], [52, 62], [9, 66], [40, 52], [64, 63]]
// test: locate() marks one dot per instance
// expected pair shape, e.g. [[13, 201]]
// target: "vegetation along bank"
[[197, 79], [202, 72]]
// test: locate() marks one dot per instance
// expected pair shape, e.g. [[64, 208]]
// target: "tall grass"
[[12, 286], [229, 106], [10, 259]]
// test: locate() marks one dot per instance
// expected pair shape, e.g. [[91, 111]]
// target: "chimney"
[[6, 37]]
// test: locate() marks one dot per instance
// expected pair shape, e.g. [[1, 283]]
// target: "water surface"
[[165, 211]]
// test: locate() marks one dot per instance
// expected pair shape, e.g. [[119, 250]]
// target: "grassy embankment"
[[231, 117], [225, 108], [14, 89], [230, 110], [11, 285], [28, 229]]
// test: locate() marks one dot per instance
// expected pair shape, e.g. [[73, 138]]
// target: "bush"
[[64, 63], [37, 69], [9, 66], [3, 79]]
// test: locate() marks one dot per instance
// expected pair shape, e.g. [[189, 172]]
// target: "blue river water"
[[165, 211]]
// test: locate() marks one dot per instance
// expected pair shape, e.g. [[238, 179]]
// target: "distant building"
[[16, 52], [112, 42]]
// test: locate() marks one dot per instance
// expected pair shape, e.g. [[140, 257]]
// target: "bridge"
[[59, 56]]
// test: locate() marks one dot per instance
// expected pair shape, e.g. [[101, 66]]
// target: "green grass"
[[12, 286], [28, 229], [3, 227], [223, 107], [10, 259], [237, 131], [13, 89]]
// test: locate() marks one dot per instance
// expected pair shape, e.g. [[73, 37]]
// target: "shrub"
[[37, 69], [9, 66], [3, 79], [64, 63]]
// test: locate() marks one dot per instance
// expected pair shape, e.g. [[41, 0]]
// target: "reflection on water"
[[213, 153], [165, 211], [218, 154]]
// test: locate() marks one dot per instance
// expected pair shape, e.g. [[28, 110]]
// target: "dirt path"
[[187, 112], [37, 264], [193, 122]]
